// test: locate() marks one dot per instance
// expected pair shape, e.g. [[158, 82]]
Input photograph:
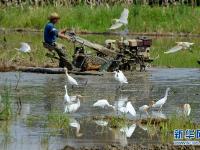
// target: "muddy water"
[[40, 94]]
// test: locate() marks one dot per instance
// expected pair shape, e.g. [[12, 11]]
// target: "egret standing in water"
[[128, 109], [123, 20], [103, 103], [66, 97], [73, 106], [186, 109], [161, 102], [144, 109], [70, 79], [120, 77]]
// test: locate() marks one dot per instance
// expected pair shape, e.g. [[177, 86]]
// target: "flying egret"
[[73, 107], [128, 109], [103, 103], [179, 46], [128, 130], [25, 47], [74, 123], [123, 20], [161, 102], [70, 79], [186, 109], [120, 77]]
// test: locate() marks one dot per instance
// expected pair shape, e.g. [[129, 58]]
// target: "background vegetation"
[[142, 18]]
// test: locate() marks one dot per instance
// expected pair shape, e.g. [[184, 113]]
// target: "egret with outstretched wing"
[[25, 47], [179, 46], [123, 20]]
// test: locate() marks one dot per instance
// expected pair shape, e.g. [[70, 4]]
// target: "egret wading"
[[161, 102], [74, 105], [128, 109], [186, 109], [66, 96], [103, 103], [120, 77], [70, 79], [144, 109]]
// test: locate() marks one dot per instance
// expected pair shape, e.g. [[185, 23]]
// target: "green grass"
[[6, 110], [117, 122], [9, 56], [82, 17], [176, 122], [56, 122]]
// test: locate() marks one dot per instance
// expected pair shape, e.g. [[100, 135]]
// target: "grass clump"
[[58, 120], [117, 122], [175, 122], [5, 102]]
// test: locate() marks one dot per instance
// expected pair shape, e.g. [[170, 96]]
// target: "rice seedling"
[[6, 110], [175, 122], [117, 122]]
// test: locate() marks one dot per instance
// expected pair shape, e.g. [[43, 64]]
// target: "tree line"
[[98, 2]]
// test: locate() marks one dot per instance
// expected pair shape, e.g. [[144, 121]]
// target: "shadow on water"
[[41, 94]]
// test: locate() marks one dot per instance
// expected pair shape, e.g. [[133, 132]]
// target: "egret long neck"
[[166, 93]]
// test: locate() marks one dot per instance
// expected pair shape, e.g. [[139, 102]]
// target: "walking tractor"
[[123, 54]]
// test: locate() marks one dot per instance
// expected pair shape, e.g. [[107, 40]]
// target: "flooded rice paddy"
[[41, 94]]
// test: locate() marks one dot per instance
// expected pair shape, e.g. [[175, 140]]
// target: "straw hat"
[[53, 15]]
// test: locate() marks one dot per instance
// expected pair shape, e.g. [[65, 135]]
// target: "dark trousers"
[[60, 50]]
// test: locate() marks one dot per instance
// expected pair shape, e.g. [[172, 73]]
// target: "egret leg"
[[160, 109], [147, 113]]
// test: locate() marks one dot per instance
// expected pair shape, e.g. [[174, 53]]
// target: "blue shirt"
[[50, 33]]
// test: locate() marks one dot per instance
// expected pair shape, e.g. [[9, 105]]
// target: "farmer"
[[50, 36]]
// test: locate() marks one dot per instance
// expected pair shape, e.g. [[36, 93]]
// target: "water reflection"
[[45, 93]]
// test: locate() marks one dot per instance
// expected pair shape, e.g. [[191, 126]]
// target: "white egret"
[[74, 123], [102, 123], [120, 77], [128, 130], [66, 97], [161, 102], [186, 109], [144, 109], [73, 107], [70, 79], [103, 103], [128, 109], [123, 20], [25, 47], [179, 46], [121, 102]]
